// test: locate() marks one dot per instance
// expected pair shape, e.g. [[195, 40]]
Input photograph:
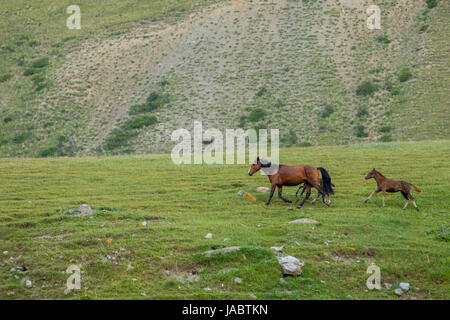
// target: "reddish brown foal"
[[387, 185], [293, 176]]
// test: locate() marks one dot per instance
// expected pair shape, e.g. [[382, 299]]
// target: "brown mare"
[[293, 176], [387, 185]]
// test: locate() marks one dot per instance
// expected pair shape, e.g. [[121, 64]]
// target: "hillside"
[[138, 70], [120, 257]]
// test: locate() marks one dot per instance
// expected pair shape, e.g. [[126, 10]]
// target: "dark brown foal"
[[387, 185]]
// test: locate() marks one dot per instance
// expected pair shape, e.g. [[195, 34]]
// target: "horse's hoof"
[[365, 201], [417, 209], [299, 207]]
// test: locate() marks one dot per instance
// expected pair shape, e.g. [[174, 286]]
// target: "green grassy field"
[[181, 204]]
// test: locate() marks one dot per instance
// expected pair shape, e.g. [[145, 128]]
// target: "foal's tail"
[[415, 188], [327, 185]]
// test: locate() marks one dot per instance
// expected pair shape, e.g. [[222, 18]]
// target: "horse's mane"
[[266, 163], [379, 173]]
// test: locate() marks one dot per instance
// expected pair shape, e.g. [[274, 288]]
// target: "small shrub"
[[140, 122], [256, 115], [119, 138], [7, 119], [5, 77], [431, 3], [40, 63], [366, 88], [362, 112], [30, 71], [290, 138], [388, 86], [327, 111], [424, 28], [305, 144], [385, 138], [385, 129], [383, 39], [261, 91], [48, 152], [404, 75], [20, 138], [360, 132], [153, 102]]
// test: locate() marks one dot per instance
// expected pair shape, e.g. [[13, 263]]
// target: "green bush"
[[119, 138], [424, 28], [256, 114], [40, 63], [385, 138], [305, 144], [30, 71], [383, 39], [153, 102], [362, 112], [261, 91], [385, 129], [404, 75], [7, 119], [20, 138], [140, 122], [289, 139], [327, 111], [366, 88], [48, 152], [5, 77], [431, 3], [360, 132]]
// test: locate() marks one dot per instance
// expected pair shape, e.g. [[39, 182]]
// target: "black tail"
[[327, 185]]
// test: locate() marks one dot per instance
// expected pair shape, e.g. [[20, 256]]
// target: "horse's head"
[[255, 167], [371, 174]]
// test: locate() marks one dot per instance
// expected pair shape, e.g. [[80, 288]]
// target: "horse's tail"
[[415, 188], [327, 185]]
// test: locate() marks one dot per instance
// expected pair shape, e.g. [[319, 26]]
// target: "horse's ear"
[[257, 159], [373, 169]]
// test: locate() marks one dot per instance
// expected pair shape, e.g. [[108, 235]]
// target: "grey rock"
[[208, 236], [291, 265], [305, 220], [238, 280], [404, 286], [398, 291], [277, 249], [223, 250], [85, 210]]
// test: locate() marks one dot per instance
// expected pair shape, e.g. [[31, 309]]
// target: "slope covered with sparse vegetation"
[[137, 70]]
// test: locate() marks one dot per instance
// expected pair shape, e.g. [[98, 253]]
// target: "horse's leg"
[[313, 180], [304, 187], [299, 187], [280, 189], [308, 193], [405, 195], [371, 194], [384, 196], [317, 197], [271, 194], [412, 200]]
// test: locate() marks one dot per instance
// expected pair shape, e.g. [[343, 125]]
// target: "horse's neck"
[[273, 169], [379, 178]]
